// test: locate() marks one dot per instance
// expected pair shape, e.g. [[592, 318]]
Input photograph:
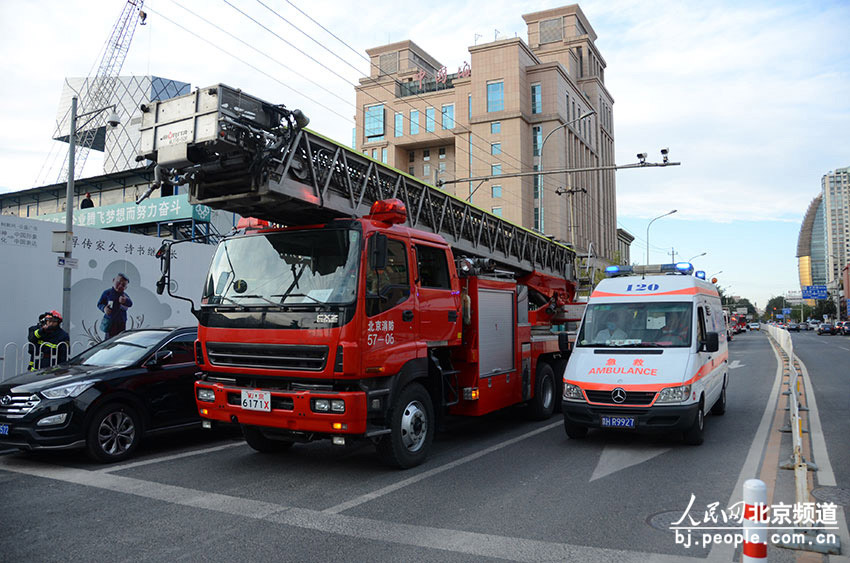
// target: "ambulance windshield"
[[661, 325]]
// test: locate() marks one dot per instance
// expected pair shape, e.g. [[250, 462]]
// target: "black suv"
[[106, 398]]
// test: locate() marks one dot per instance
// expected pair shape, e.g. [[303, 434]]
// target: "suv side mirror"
[[711, 342], [160, 358]]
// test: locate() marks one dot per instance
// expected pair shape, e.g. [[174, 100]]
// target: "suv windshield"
[[663, 325], [123, 350], [285, 268]]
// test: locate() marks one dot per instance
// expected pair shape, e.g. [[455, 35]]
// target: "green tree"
[[824, 307]]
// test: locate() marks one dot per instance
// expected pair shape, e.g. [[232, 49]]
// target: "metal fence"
[[16, 358]]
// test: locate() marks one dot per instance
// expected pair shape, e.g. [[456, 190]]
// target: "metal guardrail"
[[797, 462], [16, 357]]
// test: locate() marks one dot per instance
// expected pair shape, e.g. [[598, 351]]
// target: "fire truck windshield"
[[316, 266]]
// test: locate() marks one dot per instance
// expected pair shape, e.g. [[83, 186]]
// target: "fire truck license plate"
[[4, 429], [618, 422], [257, 400]]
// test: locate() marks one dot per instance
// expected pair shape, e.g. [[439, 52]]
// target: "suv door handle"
[[407, 315]]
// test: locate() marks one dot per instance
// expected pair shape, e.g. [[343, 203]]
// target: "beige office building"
[[509, 100]]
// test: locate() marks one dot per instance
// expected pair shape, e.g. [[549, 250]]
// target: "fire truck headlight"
[[337, 405], [321, 405], [674, 394], [207, 395], [573, 392]]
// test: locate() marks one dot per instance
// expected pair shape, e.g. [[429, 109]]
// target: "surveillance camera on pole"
[[642, 157]]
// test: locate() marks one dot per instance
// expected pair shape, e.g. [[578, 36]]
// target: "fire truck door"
[[390, 336], [438, 308]]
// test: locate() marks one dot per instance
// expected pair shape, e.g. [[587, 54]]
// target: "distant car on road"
[[827, 328], [793, 326], [755, 326], [106, 398], [842, 327]]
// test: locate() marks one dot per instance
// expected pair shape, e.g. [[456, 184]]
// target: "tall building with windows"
[[811, 247], [835, 190], [511, 107]]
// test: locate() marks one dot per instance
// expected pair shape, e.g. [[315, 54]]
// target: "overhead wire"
[[246, 63]]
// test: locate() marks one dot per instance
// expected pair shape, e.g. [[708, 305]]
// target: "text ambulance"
[[651, 354]]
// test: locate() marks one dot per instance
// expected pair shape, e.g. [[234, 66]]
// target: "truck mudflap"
[[295, 411]]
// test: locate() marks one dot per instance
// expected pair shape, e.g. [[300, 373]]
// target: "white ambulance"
[[651, 354]]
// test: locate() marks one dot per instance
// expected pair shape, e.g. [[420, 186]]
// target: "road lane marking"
[[736, 364], [131, 465], [456, 541], [356, 501], [723, 552], [615, 458]]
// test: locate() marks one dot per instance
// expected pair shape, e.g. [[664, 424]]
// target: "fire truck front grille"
[[288, 357], [632, 397]]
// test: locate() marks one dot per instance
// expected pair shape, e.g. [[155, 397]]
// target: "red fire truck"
[[371, 304]]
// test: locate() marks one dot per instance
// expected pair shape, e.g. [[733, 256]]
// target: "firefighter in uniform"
[[50, 343]]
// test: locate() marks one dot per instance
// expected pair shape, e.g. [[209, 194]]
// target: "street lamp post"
[[691, 259], [540, 176], [647, 232], [112, 120]]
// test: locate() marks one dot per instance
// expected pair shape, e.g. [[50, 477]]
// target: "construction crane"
[[99, 89]]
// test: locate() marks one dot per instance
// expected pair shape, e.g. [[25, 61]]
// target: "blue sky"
[[752, 97]]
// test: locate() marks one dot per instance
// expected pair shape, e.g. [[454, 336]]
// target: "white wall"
[[31, 281]]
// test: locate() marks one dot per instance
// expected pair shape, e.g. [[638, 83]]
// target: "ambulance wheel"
[[259, 442], [411, 420], [719, 408], [693, 435], [574, 431], [542, 405]]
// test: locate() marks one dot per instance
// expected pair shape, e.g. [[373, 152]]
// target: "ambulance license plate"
[[257, 400], [4, 429], [618, 422]]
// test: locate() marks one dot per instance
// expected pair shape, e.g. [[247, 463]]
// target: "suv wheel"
[[113, 433]]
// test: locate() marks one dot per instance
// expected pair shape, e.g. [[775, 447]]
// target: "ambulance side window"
[[701, 324]]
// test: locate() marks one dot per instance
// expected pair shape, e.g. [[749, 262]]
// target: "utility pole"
[[672, 254]]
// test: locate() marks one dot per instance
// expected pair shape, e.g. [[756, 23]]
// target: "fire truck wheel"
[[412, 423], [693, 435], [258, 441], [542, 404], [574, 431], [113, 433], [719, 408]]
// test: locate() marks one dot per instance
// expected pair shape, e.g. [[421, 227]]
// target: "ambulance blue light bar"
[[677, 268], [613, 271]]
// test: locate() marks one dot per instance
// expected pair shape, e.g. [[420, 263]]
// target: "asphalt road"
[[497, 487]]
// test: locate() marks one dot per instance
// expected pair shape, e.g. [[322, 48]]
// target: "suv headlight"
[[70, 390], [674, 394], [573, 392]]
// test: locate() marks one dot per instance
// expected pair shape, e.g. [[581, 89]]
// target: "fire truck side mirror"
[[378, 253]]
